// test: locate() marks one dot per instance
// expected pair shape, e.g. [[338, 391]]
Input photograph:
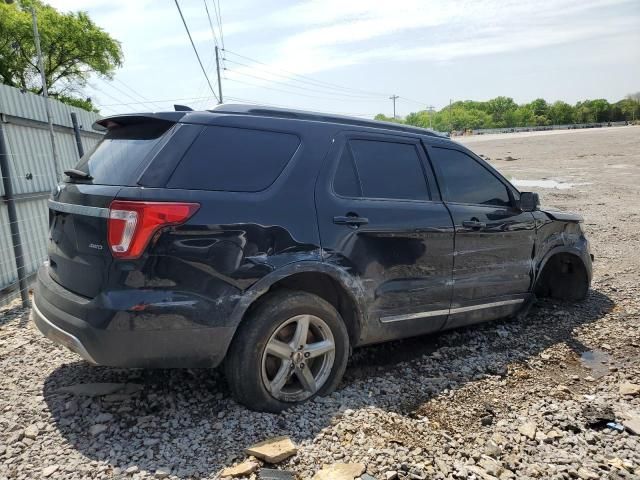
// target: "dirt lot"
[[526, 398]]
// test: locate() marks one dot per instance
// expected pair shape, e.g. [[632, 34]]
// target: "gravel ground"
[[526, 398]]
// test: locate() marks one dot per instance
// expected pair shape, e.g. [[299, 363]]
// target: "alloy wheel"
[[298, 358]]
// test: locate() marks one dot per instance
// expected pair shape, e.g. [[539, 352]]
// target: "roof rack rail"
[[259, 110]]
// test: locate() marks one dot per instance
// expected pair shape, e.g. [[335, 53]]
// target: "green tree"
[[501, 110], [583, 112], [539, 107], [418, 119], [631, 106], [73, 47], [628, 109], [600, 108], [523, 116], [383, 118], [561, 113]]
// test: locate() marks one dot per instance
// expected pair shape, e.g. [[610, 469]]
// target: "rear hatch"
[[79, 255]]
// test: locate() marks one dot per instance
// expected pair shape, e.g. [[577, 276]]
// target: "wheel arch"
[[329, 282], [552, 260]]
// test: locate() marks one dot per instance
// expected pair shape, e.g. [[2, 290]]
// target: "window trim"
[[444, 191], [346, 137]]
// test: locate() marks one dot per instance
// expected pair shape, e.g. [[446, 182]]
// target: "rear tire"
[[291, 348]]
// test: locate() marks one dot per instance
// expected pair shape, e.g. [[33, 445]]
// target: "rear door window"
[[234, 159], [389, 170], [464, 180], [120, 157]]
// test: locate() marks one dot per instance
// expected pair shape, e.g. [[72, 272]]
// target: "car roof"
[[267, 111], [260, 111]]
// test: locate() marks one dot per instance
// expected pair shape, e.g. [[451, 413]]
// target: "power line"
[[202, 86], [103, 92], [312, 82], [147, 103], [215, 41], [326, 94], [375, 94], [135, 92], [304, 82], [195, 50], [213, 33], [119, 103], [168, 100], [412, 101], [113, 110], [219, 20], [281, 90]]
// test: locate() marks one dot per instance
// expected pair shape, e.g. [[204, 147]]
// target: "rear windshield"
[[120, 157], [234, 159]]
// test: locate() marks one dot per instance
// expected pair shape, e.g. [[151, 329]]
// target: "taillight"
[[132, 223]]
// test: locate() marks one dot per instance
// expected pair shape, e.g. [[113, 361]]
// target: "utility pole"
[[394, 98], [45, 94], [450, 117], [219, 82], [430, 109]]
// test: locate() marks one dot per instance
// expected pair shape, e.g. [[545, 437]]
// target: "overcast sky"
[[425, 51]]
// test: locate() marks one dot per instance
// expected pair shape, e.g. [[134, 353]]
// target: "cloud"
[[333, 33], [312, 37]]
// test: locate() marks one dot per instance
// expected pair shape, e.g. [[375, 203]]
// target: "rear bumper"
[[58, 335], [125, 344]]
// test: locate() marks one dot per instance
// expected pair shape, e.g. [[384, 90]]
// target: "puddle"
[[545, 184], [598, 361]]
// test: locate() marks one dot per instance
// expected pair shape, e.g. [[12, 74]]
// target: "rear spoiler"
[[115, 121]]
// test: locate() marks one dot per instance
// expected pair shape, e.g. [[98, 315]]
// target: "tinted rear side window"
[[234, 159], [120, 157], [389, 170], [346, 181], [464, 180]]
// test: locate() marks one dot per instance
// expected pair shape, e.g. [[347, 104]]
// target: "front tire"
[[292, 347]]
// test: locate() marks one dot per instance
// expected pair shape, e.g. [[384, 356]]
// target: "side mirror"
[[529, 201]]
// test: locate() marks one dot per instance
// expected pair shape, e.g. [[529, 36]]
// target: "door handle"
[[474, 224], [351, 220]]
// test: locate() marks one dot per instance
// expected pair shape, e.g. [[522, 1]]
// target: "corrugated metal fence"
[[31, 171]]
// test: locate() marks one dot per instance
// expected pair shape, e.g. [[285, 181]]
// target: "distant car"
[[274, 241]]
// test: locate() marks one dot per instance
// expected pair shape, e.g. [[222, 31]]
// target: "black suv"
[[274, 241]]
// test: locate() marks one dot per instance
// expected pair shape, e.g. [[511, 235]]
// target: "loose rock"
[[31, 432], [241, 470], [50, 470], [629, 389], [528, 430], [97, 429], [273, 450], [340, 471]]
